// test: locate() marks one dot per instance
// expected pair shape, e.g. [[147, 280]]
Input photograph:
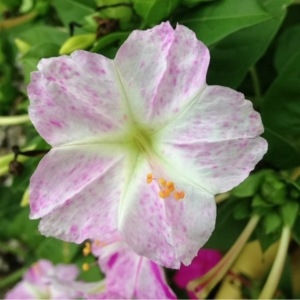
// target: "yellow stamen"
[[164, 194], [179, 195], [162, 182], [149, 178], [85, 267], [170, 186], [87, 249]]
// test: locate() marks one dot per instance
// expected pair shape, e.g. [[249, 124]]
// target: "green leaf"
[[272, 222], [73, 10], [241, 50], [243, 209], [288, 46], [266, 240], [191, 3], [153, 11], [56, 250], [109, 39], [281, 110], [219, 19], [250, 186], [43, 34], [227, 228], [282, 153], [289, 212], [296, 231]]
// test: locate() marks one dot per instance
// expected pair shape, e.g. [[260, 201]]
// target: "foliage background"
[[255, 48]]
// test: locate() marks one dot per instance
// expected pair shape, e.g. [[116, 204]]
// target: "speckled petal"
[[162, 70], [130, 276], [166, 231], [216, 140], [74, 97], [81, 199]]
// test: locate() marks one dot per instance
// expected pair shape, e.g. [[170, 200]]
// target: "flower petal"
[[81, 199], [159, 73], [165, 230], [215, 140], [130, 276], [66, 89]]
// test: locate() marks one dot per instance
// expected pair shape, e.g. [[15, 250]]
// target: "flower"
[[140, 145], [46, 281], [128, 275], [201, 264]]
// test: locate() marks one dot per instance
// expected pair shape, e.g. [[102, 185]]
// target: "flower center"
[[142, 141]]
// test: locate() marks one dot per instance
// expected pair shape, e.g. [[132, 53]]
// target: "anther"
[[85, 267], [162, 181], [179, 195], [87, 249], [170, 186], [149, 178], [164, 194]]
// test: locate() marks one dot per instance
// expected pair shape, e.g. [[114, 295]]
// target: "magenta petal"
[[66, 89], [159, 75]]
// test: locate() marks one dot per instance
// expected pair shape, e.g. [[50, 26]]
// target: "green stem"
[[256, 85], [12, 278], [14, 120], [13, 22], [276, 271]]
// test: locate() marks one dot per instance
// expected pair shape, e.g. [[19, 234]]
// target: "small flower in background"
[[46, 281], [201, 264], [140, 145]]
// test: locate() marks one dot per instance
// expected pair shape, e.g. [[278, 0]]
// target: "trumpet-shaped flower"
[[140, 144], [46, 281], [128, 275]]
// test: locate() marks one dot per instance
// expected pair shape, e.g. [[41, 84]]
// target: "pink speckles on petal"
[[175, 78], [165, 230], [71, 169], [83, 87]]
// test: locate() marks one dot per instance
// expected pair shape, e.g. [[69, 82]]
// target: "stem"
[[256, 85], [14, 120], [276, 271], [12, 278], [221, 197], [13, 22], [203, 285]]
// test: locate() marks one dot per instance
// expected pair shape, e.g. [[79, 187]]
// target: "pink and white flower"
[[141, 144], [46, 281]]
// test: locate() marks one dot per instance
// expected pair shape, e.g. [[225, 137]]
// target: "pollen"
[[85, 267], [164, 194], [87, 249], [162, 181], [149, 178], [179, 195], [166, 188]]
